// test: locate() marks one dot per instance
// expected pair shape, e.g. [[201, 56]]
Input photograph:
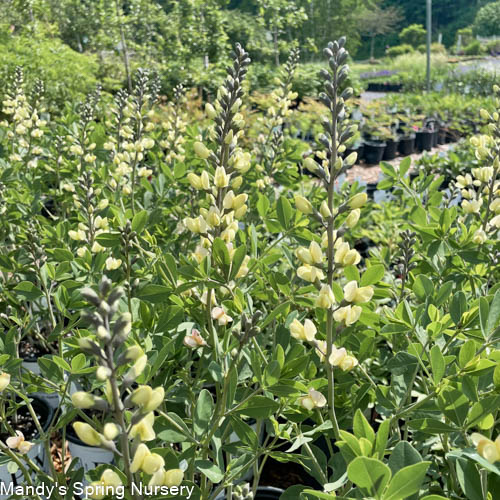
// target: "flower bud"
[[201, 150], [324, 210], [221, 179], [303, 205], [325, 299], [210, 111], [358, 200], [353, 218], [87, 434], [194, 180], [4, 380], [82, 400], [111, 431], [173, 477]]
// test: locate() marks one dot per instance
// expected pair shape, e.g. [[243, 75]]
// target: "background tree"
[[487, 22], [378, 21]]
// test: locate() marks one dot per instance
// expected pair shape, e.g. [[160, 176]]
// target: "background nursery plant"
[[197, 300]]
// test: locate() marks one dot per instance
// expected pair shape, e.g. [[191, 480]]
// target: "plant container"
[[435, 138], [406, 145], [37, 454], [424, 140], [391, 150], [263, 493], [442, 136], [374, 152]]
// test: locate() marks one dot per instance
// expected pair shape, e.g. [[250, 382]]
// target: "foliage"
[[473, 49], [413, 35], [399, 50], [487, 20]]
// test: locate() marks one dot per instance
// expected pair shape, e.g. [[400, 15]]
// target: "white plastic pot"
[[36, 454], [88, 456]]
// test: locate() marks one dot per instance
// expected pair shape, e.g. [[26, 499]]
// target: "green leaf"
[[139, 221], [351, 273], [406, 481], [404, 454], [372, 275], [438, 364], [238, 257], [108, 240], [154, 293], [258, 407], [430, 426], [404, 166], [362, 428], [423, 287], [244, 432], [494, 313], [457, 307], [282, 308], [28, 290], [284, 211], [466, 353], [382, 436], [496, 376], [210, 470], [171, 267], [203, 413], [221, 255], [272, 373], [369, 474], [484, 309], [215, 371]]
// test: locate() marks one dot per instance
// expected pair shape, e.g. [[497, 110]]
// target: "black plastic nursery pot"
[[442, 136], [424, 140], [406, 145], [391, 150], [435, 138], [268, 493], [374, 152]]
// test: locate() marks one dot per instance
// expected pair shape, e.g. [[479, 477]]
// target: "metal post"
[[429, 39]]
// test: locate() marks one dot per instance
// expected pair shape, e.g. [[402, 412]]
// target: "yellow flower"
[[210, 111], [358, 200], [303, 205], [310, 165], [495, 205], [324, 210], [194, 180], [340, 358], [346, 256], [347, 315], [98, 490], [353, 218], [306, 332], [112, 263], [314, 399], [201, 150], [221, 179], [325, 299], [144, 429], [488, 449], [310, 273], [472, 207], [4, 380], [82, 399], [87, 434], [172, 477], [78, 235], [110, 431], [358, 295], [483, 174], [316, 253], [479, 237]]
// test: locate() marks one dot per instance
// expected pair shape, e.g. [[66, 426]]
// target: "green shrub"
[[399, 50], [493, 46], [473, 49], [413, 35], [436, 48]]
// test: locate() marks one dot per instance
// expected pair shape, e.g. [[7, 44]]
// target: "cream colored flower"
[[314, 399], [358, 295], [347, 315], [353, 218], [194, 340], [472, 207], [325, 299], [479, 237], [112, 263], [303, 205], [306, 331], [144, 429], [358, 200], [4, 380], [310, 273], [19, 443], [220, 315], [221, 178]]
